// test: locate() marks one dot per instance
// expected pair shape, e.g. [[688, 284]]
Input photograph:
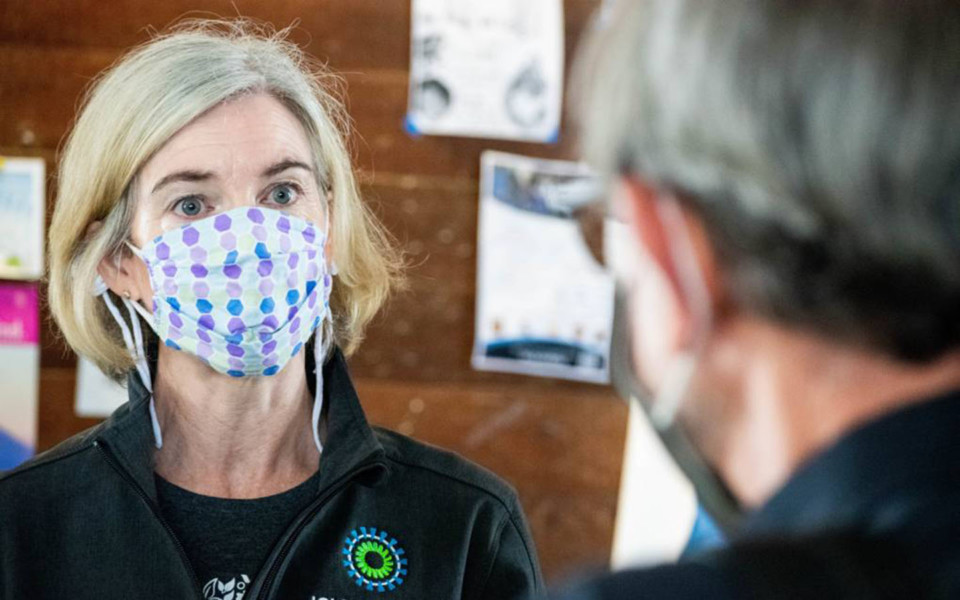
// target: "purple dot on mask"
[[309, 234], [293, 261], [313, 300], [190, 236], [204, 350], [234, 350], [198, 254], [283, 224], [221, 223], [235, 363], [199, 271], [327, 280], [293, 312], [203, 335], [295, 325], [236, 326], [234, 290], [269, 347], [271, 322], [169, 269], [201, 289], [228, 241], [311, 254], [175, 320], [232, 271], [265, 336], [265, 267], [206, 321], [255, 215], [269, 361], [162, 251]]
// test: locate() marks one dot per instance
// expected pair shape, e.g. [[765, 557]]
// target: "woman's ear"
[[116, 269]]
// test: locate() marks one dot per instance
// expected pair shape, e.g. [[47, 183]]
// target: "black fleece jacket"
[[81, 521]]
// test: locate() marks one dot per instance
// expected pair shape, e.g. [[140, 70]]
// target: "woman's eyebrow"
[[285, 164], [182, 176]]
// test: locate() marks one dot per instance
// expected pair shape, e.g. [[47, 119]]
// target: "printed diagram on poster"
[[491, 69], [544, 305], [22, 193], [19, 371]]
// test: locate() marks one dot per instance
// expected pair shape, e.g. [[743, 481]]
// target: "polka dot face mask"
[[242, 290]]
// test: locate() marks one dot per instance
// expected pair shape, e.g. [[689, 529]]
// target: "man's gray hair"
[[819, 140]]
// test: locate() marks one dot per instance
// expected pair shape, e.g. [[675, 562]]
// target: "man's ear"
[[645, 215]]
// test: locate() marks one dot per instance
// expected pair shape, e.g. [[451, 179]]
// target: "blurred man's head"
[[798, 165]]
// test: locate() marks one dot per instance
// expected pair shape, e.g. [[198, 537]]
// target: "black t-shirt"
[[226, 540]]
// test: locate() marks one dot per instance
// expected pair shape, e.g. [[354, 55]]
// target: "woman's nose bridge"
[[239, 191]]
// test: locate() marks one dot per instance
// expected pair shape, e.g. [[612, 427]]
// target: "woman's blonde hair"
[[138, 104]]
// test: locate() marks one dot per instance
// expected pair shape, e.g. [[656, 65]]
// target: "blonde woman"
[[209, 245]]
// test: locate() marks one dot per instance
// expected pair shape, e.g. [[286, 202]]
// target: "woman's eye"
[[189, 207], [282, 194]]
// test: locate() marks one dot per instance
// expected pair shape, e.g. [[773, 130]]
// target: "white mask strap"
[[149, 318], [135, 347], [134, 249], [677, 379], [318, 393]]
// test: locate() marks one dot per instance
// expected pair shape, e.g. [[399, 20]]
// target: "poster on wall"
[[22, 193], [544, 305], [491, 69], [19, 371], [96, 395]]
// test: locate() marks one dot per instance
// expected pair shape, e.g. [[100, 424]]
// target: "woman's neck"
[[231, 437]]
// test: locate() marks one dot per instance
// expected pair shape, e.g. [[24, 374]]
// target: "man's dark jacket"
[[877, 515], [81, 521]]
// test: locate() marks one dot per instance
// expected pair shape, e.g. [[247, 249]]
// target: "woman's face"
[[250, 151]]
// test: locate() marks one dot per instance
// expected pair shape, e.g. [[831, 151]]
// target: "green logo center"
[[373, 559]]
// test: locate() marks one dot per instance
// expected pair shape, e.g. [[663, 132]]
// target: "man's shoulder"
[[684, 581], [828, 565]]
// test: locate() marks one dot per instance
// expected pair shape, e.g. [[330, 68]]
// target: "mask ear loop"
[[677, 379], [318, 393], [135, 347], [319, 347]]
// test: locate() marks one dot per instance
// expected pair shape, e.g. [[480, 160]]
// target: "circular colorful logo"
[[374, 560]]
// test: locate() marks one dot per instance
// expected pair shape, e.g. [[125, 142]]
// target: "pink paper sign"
[[19, 319]]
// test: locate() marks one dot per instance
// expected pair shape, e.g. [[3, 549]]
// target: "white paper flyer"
[[22, 194], [491, 69], [544, 305], [19, 371]]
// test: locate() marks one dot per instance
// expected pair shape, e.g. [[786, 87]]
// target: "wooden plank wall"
[[559, 444]]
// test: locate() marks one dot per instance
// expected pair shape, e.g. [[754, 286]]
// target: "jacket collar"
[[350, 440], [870, 474]]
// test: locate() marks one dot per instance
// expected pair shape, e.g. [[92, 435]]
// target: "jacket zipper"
[[154, 508], [306, 517]]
